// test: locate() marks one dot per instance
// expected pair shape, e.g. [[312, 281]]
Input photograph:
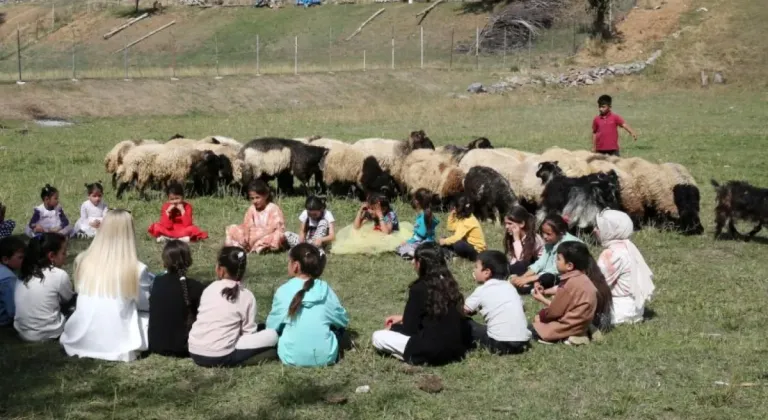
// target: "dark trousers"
[[609, 152], [480, 336], [546, 281], [518, 269], [344, 340], [462, 249], [236, 358]]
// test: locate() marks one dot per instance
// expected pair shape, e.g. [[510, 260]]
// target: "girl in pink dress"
[[263, 227]]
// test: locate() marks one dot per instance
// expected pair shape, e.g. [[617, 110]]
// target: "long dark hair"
[[233, 259], [310, 264], [11, 245], [423, 198], [578, 254], [261, 188], [313, 203], [557, 223], [381, 200], [443, 293], [36, 255], [519, 214], [177, 259]]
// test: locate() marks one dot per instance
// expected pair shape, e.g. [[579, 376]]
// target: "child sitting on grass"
[[582, 298], [424, 228], [11, 259], [467, 239], [263, 227], [506, 329], [176, 218], [44, 294], [376, 229], [173, 302], [318, 226], [91, 212], [48, 216], [307, 314], [225, 333]]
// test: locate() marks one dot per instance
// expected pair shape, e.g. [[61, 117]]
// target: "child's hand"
[[317, 242], [181, 208], [95, 224], [441, 241], [169, 210], [38, 229], [634, 136], [516, 232], [392, 320], [518, 281]]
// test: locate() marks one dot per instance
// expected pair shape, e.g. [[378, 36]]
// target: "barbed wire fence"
[[171, 54]]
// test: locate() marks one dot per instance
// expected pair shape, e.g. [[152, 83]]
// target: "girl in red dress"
[[176, 219]]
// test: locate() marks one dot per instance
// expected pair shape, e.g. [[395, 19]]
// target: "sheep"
[[687, 199], [181, 142], [179, 164], [632, 202], [114, 158], [283, 158], [347, 169], [571, 164], [134, 163], [521, 174], [740, 200], [226, 141], [458, 152], [390, 153], [489, 191], [419, 140], [579, 199], [430, 170]]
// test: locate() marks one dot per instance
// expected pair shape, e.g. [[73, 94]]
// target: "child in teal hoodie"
[[11, 258], [306, 312], [554, 231]]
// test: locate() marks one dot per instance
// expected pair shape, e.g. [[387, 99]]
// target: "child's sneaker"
[[81, 235], [540, 341], [577, 340], [162, 239], [184, 239]]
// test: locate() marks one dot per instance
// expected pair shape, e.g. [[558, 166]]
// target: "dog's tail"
[[714, 183]]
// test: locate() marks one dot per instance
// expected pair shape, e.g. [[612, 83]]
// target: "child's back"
[[38, 305], [168, 311], [220, 322], [307, 339], [500, 304]]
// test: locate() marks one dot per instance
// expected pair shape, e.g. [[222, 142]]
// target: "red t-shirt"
[[606, 127]]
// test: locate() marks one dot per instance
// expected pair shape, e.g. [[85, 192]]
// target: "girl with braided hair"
[[432, 330], [225, 333], [306, 312], [173, 302]]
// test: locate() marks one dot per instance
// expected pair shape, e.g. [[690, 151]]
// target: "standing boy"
[[499, 302], [605, 129]]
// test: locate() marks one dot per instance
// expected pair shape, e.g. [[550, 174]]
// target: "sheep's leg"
[[732, 229], [754, 231], [114, 181], [121, 189], [720, 218]]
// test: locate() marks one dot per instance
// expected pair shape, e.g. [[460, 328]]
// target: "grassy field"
[[708, 324]]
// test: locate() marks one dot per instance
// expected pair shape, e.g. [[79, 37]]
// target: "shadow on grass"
[[132, 12]]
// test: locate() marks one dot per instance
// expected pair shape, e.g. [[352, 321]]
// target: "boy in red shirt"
[[605, 132]]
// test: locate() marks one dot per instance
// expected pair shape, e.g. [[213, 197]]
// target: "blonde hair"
[[110, 267]]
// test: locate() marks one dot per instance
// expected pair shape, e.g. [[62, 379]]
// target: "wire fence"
[[168, 54]]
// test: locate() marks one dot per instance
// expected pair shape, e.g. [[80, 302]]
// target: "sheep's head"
[[480, 143], [419, 140], [226, 170], [177, 136], [548, 170]]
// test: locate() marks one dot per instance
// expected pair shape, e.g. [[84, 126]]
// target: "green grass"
[[709, 316]]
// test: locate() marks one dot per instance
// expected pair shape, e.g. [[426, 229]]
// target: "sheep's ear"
[[214, 140], [555, 162]]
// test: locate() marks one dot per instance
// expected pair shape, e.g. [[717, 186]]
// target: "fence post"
[[477, 48], [53, 15], [125, 61], [216, 51], [421, 38], [530, 44], [173, 57], [20, 81], [505, 49], [574, 36], [74, 65], [610, 15], [330, 49], [258, 71], [450, 63], [393, 47], [295, 55]]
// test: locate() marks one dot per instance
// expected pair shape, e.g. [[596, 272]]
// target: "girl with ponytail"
[[225, 333], [306, 312], [173, 302]]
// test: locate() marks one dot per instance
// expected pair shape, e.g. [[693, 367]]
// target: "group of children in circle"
[[114, 316]]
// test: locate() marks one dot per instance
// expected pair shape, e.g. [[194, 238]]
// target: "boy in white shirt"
[[506, 330]]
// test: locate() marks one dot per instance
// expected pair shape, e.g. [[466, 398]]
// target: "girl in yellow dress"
[[375, 230]]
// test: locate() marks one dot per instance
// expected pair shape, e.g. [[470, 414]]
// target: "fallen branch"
[[145, 37], [120, 28], [360, 28], [426, 11]]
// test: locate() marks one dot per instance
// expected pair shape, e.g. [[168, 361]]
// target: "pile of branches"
[[521, 21]]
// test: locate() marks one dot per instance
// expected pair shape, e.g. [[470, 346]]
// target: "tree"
[[599, 26]]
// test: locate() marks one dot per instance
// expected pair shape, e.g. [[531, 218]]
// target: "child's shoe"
[[184, 239], [577, 340], [162, 239]]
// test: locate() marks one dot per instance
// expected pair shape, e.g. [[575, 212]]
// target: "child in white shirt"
[[506, 330], [91, 212], [43, 291]]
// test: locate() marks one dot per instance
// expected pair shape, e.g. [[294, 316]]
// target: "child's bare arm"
[[630, 131]]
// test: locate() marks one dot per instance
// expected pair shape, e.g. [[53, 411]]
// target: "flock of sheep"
[[576, 184]]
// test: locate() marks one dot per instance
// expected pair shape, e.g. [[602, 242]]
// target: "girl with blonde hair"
[[111, 318]]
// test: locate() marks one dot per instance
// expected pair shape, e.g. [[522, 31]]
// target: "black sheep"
[[305, 162], [489, 191], [740, 200], [419, 140], [376, 180]]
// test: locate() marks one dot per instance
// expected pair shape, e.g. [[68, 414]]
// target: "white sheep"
[[429, 169], [114, 157]]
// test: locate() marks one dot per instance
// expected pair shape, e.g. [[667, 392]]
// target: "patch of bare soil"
[[643, 27]]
